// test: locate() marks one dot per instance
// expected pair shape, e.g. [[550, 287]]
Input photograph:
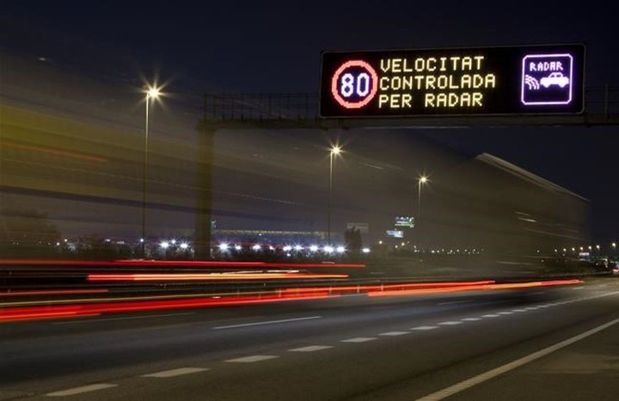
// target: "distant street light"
[[151, 93], [335, 150], [422, 180]]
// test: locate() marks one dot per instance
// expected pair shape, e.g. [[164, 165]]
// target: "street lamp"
[[422, 180], [335, 150], [151, 93]]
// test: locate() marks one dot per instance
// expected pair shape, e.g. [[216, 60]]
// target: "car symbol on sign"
[[555, 78]]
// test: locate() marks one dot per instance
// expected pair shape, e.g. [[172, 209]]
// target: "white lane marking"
[[471, 319], [475, 380], [311, 348], [175, 372], [505, 313], [519, 310], [295, 319], [491, 315], [424, 328], [394, 333], [252, 358], [81, 389], [123, 318], [450, 323], [358, 339], [578, 288]]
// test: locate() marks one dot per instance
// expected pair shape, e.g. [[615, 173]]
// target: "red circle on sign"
[[336, 95]]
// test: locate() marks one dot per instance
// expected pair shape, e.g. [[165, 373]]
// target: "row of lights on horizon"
[[597, 247], [329, 249]]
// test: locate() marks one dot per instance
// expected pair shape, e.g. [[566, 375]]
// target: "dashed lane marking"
[[175, 372]]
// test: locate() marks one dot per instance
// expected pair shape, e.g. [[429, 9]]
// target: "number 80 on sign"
[[354, 84]]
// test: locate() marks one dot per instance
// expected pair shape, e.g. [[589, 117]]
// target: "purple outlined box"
[[547, 79]]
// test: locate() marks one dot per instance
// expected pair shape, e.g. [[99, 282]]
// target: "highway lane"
[[347, 348]]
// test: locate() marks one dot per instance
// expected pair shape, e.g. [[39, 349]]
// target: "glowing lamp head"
[[423, 179], [223, 247], [336, 150], [328, 249], [184, 245], [340, 249], [153, 92], [164, 244]]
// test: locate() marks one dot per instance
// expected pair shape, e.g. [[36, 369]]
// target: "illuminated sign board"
[[405, 221], [394, 233], [476, 81]]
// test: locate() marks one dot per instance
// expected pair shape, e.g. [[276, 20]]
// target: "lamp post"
[[151, 93], [333, 152], [421, 181]]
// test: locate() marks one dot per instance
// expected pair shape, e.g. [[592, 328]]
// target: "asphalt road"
[[539, 344]]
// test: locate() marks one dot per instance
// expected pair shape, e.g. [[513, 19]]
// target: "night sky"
[[248, 46]]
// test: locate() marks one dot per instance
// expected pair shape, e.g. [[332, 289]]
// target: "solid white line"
[[519, 310], [424, 328], [471, 319], [295, 319], [123, 318], [475, 380], [175, 372], [491, 315], [358, 339], [311, 348], [80, 390], [252, 358], [394, 333], [505, 313], [450, 323]]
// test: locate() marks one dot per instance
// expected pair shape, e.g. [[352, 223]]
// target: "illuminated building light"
[[365, 250], [340, 249], [256, 247], [141, 239], [53, 264], [164, 244], [173, 242], [328, 249], [271, 248], [313, 248], [298, 248], [223, 247], [184, 245], [287, 248], [238, 247]]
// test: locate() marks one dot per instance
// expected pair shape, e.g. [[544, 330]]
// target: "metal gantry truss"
[[287, 110]]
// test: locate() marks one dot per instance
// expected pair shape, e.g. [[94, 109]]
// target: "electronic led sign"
[[476, 81]]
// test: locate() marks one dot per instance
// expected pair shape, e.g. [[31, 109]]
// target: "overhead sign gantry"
[[525, 80]]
